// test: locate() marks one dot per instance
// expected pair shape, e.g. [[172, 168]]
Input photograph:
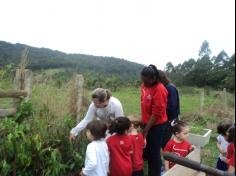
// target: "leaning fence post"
[[202, 101], [225, 98]]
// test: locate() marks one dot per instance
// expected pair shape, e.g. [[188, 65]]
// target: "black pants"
[[167, 135], [153, 149], [138, 173]]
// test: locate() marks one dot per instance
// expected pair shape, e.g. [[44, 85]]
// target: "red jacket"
[[154, 102], [138, 147], [121, 151], [179, 149]]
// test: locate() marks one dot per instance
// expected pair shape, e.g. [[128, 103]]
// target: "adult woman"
[[173, 106], [153, 107], [104, 107]]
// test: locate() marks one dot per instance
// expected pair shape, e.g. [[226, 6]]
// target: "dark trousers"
[[138, 173], [153, 149], [167, 135], [221, 165]]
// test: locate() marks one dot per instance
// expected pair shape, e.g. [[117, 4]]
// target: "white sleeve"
[[91, 160], [88, 118], [219, 140], [119, 110]]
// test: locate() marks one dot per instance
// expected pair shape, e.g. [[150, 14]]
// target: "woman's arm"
[[157, 110], [150, 123], [82, 125]]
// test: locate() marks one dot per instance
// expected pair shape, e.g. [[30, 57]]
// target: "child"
[[222, 144], [231, 150], [138, 143], [120, 147], [97, 154], [179, 144]]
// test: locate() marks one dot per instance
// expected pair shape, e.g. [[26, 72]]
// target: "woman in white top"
[[104, 107]]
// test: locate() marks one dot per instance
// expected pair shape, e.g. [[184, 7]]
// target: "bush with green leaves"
[[24, 151]]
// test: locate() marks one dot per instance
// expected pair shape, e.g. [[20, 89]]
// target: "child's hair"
[[224, 126], [120, 125], [178, 127], [163, 78], [231, 134], [98, 129], [135, 121]]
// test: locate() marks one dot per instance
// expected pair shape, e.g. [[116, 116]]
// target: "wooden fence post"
[[23, 88], [225, 98], [23, 81], [80, 88], [202, 101]]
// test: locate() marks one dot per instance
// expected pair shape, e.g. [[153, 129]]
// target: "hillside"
[[43, 58]]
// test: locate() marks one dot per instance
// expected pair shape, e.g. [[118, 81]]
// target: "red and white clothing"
[[231, 155], [180, 149], [154, 102], [121, 151], [138, 143]]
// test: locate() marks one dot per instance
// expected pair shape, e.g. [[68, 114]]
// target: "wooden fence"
[[23, 88]]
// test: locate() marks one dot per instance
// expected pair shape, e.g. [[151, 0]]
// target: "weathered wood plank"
[[7, 112], [178, 170], [12, 94]]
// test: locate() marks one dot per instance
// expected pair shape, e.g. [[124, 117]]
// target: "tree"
[[169, 67], [205, 49]]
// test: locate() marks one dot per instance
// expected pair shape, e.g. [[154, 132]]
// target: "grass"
[[130, 99]]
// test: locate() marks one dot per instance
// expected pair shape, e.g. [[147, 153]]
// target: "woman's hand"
[[72, 138], [81, 173]]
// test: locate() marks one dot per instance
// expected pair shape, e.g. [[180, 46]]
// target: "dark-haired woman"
[[104, 107], [173, 106], [154, 116]]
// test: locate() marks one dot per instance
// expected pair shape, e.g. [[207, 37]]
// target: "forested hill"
[[43, 58]]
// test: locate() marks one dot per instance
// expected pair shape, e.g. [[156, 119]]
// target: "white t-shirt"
[[224, 145], [113, 110], [97, 159]]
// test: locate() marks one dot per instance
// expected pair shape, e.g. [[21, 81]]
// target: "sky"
[[143, 31]]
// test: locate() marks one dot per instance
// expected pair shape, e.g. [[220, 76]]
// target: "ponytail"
[[120, 126], [102, 94], [151, 72]]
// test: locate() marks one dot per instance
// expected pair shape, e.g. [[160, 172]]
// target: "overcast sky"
[[144, 31]]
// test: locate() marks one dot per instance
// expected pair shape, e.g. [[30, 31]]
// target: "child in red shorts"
[[179, 144]]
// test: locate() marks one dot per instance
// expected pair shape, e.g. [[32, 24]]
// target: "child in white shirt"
[[222, 144], [97, 155]]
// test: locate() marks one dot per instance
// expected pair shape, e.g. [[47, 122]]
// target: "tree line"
[[206, 71]]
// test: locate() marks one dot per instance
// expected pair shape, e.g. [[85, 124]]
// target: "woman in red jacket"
[[154, 116]]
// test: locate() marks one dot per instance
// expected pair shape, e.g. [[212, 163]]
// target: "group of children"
[[121, 152], [226, 146]]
